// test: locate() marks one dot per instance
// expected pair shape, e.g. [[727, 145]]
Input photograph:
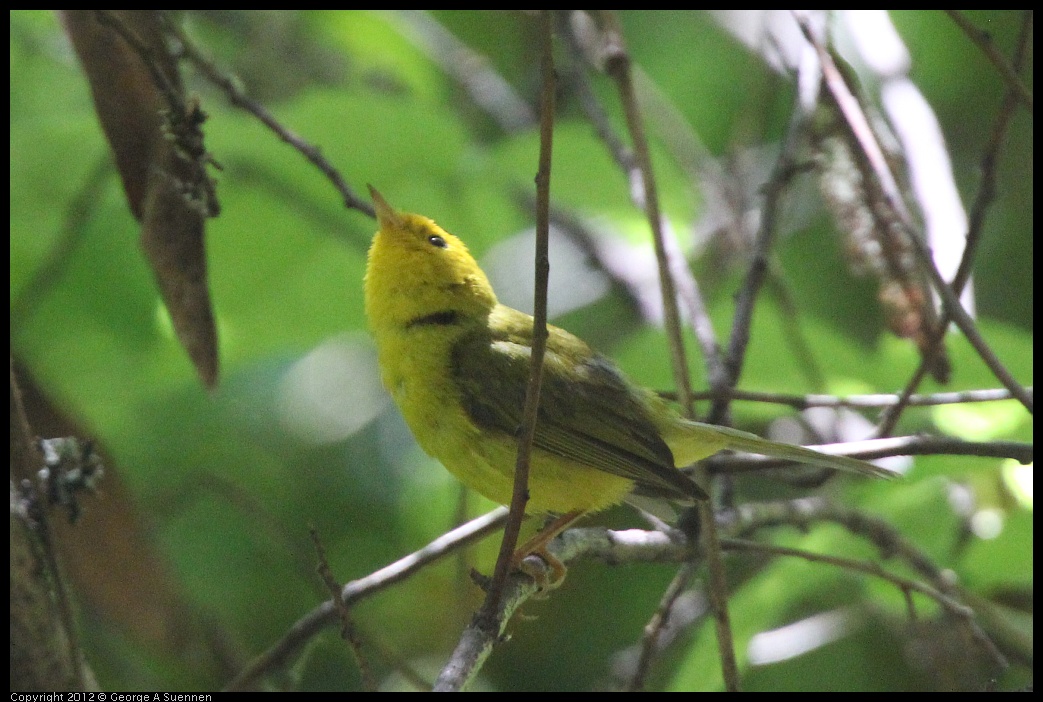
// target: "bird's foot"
[[542, 566]]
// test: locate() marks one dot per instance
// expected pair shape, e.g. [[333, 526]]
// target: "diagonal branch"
[[1007, 71], [884, 179]]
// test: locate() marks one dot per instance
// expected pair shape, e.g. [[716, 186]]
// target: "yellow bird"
[[457, 364]]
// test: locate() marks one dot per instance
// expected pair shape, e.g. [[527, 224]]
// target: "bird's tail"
[[725, 437]]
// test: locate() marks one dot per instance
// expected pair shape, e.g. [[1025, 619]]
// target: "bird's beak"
[[386, 215]]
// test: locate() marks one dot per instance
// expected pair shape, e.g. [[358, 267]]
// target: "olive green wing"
[[588, 413]]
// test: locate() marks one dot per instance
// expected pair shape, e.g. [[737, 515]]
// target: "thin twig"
[[168, 85], [578, 80], [635, 545], [617, 65], [294, 640], [656, 625], [983, 40], [702, 170], [954, 607], [871, 449], [802, 402], [478, 641], [869, 567], [348, 632], [240, 99], [718, 595], [782, 172], [626, 159], [702, 327], [527, 432], [803, 513]]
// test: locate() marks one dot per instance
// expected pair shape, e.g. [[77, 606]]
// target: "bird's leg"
[[537, 546]]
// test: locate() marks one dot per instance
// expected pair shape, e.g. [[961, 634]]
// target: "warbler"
[[457, 364]]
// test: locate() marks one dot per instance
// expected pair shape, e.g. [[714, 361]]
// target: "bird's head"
[[417, 269]]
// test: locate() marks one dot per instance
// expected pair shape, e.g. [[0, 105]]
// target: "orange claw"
[[537, 546]]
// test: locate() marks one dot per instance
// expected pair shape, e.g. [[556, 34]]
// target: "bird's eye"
[[436, 240]]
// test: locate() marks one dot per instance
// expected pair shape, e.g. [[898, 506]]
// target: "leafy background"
[[223, 486]]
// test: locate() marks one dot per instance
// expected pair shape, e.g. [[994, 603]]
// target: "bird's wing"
[[588, 413]]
